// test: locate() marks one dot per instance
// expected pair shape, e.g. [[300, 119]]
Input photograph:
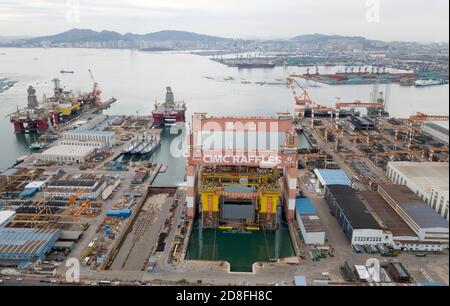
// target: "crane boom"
[[356, 104], [421, 117]]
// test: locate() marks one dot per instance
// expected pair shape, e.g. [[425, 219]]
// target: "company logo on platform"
[[229, 159]]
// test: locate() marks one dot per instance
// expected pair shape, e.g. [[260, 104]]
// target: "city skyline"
[[378, 20]]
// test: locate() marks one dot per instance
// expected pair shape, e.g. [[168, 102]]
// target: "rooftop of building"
[[400, 194], [312, 224], [90, 132], [304, 206], [72, 183], [27, 241], [354, 209], [6, 215], [69, 151], [332, 177], [424, 175], [438, 128], [422, 214], [386, 214]]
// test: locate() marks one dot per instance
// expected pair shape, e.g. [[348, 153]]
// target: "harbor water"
[[240, 250], [137, 79]]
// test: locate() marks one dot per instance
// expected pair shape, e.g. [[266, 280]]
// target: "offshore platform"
[[170, 112], [59, 108], [245, 185]]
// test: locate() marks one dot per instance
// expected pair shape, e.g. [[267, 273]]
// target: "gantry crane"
[[42, 209], [85, 208], [421, 117]]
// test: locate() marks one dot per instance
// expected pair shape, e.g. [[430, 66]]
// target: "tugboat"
[[298, 128]]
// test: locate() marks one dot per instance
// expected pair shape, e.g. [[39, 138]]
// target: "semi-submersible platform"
[[63, 106]]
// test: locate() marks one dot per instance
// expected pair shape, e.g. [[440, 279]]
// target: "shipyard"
[[90, 193], [178, 159]]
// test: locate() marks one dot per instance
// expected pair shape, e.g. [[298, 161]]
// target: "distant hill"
[[85, 35]]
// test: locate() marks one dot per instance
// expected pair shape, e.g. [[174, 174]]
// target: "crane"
[[42, 209], [85, 206], [94, 96], [73, 199], [421, 117], [360, 104]]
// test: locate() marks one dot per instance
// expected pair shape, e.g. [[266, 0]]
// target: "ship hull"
[[256, 66], [160, 119]]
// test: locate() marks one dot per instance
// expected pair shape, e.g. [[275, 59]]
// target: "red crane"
[[421, 117]]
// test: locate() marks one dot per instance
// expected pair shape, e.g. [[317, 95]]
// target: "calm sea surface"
[[137, 79]]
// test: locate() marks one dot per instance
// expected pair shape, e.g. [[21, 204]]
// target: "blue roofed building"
[[25, 245], [311, 229], [328, 177]]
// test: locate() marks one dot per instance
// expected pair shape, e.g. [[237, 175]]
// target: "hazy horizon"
[[399, 20]]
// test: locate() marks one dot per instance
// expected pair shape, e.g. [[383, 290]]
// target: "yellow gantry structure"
[[266, 194]]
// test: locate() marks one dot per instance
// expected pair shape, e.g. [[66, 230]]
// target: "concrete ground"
[[142, 239]]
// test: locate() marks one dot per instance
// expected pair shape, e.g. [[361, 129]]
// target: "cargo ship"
[[170, 112], [256, 65]]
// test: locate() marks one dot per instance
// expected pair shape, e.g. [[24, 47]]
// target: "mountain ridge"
[[88, 35]]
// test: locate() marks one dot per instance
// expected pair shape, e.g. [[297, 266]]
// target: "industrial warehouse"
[[357, 223], [428, 180]]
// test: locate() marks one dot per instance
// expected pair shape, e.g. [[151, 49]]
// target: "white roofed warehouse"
[[428, 180], [67, 154]]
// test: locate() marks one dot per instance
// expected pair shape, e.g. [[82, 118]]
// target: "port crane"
[[421, 117], [94, 96]]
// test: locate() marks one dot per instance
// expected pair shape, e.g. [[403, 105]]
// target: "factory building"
[[437, 132], [67, 188], [404, 237], [421, 218], [67, 154], [362, 123], [91, 137], [428, 180], [77, 143], [6, 216], [19, 246], [234, 171], [309, 223], [327, 177], [355, 220]]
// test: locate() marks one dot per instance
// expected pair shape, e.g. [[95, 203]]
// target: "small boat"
[[35, 146], [21, 159], [67, 71], [163, 169], [298, 128]]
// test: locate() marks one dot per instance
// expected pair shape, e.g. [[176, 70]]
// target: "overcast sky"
[[407, 20]]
